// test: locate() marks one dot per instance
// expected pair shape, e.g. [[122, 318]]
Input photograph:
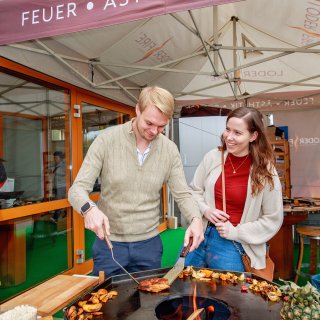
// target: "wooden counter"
[[281, 245], [52, 295], [13, 251], [296, 210]]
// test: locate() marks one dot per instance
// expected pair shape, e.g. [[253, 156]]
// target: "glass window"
[[33, 249], [95, 120], [34, 122]]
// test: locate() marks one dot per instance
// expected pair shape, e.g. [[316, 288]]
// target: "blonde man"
[[133, 161]]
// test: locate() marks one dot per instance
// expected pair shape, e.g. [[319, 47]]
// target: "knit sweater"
[[130, 193], [262, 215]]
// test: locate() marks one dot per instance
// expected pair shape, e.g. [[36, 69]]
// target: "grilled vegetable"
[[87, 309], [92, 307]]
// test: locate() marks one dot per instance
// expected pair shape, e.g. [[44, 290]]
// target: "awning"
[[26, 20]]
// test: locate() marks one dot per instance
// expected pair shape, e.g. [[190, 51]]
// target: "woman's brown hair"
[[260, 149]]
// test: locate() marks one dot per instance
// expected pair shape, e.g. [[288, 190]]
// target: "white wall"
[[22, 151], [197, 136]]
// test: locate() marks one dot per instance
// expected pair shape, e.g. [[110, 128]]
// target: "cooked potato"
[[92, 307]]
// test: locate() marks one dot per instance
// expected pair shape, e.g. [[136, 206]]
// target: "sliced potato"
[[92, 307]]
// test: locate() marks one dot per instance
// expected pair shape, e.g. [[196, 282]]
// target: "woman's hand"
[[223, 228], [215, 215]]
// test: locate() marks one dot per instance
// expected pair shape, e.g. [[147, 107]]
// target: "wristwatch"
[[86, 207]]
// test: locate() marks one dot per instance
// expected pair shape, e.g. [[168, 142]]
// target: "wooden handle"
[[186, 249], [102, 277], [109, 243], [195, 314], [224, 206]]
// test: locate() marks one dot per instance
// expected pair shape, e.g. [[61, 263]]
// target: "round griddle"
[[132, 304]]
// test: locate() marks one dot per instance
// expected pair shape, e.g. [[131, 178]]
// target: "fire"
[[209, 310], [178, 314], [199, 307], [194, 301]]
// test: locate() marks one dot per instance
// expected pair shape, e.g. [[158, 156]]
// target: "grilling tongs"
[[109, 243]]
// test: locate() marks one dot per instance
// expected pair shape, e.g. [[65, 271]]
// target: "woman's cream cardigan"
[[262, 215]]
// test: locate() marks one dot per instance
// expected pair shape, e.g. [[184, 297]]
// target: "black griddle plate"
[[132, 304]]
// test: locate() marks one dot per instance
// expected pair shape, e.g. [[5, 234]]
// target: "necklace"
[[235, 169]]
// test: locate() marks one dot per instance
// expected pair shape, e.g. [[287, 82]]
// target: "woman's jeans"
[[216, 252]]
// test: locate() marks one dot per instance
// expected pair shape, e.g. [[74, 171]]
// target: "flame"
[[194, 300], [178, 314], [210, 309]]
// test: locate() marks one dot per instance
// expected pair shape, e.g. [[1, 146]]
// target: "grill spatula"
[[173, 273], [109, 243]]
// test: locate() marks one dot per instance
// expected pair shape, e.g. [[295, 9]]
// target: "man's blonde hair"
[[159, 97]]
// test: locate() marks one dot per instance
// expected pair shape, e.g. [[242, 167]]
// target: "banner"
[[304, 141], [286, 101], [23, 20]]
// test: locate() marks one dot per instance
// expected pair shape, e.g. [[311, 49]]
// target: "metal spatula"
[[173, 273], [109, 243]]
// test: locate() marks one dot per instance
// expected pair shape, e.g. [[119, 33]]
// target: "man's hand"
[[96, 221], [195, 231], [215, 215]]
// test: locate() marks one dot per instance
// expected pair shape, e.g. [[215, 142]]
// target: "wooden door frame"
[[77, 157]]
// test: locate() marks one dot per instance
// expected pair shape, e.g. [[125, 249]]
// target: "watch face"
[[85, 207]]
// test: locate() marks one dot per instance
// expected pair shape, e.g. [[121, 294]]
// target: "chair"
[[43, 228], [313, 234]]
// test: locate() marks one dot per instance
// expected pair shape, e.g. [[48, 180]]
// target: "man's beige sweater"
[[130, 193]]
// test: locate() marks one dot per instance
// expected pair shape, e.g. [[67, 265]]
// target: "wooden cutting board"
[[52, 295]]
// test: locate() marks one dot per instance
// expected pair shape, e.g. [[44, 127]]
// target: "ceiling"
[[264, 52]]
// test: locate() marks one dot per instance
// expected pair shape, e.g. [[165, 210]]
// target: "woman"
[[253, 196]]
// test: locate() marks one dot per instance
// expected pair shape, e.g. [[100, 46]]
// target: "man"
[[3, 174], [133, 161], [59, 181]]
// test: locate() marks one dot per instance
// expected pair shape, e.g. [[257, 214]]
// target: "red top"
[[236, 186], [2, 183]]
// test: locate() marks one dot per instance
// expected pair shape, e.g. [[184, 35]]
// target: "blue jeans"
[[133, 256], [216, 253]]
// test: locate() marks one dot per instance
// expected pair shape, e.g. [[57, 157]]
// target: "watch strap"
[[87, 207]]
